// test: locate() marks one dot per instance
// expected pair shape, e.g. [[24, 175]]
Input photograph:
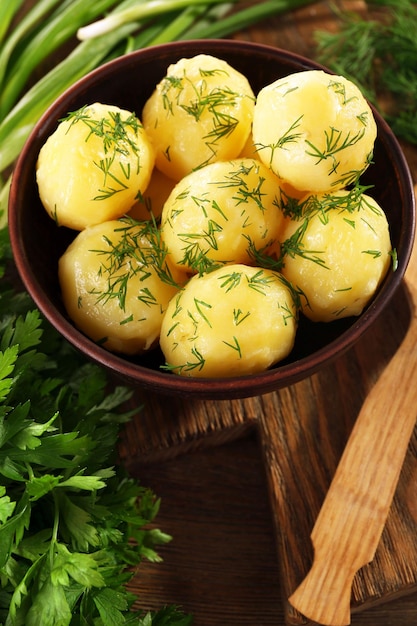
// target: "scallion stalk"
[[25, 26], [16, 126], [58, 29], [136, 14], [180, 24], [7, 12]]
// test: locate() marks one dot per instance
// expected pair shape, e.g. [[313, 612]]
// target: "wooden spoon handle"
[[351, 520]]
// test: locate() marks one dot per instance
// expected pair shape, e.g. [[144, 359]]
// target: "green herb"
[[380, 56], [241, 18], [74, 526], [335, 141], [288, 137], [189, 366], [60, 26], [259, 281], [137, 247], [239, 316], [7, 11], [216, 104], [117, 136], [136, 13]]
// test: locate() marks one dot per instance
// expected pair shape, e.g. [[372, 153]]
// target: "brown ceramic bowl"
[[127, 82]]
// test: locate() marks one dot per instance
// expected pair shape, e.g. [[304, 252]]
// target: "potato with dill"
[[315, 130], [94, 165], [200, 112], [226, 212], [337, 253], [116, 284], [233, 321]]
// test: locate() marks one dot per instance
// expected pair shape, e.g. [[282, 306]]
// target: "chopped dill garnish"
[[128, 256], [118, 138], [380, 56], [217, 103], [288, 137]]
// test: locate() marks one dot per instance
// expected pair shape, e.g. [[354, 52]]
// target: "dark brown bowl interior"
[[127, 82]]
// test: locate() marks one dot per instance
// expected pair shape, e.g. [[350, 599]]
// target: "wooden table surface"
[[235, 553]]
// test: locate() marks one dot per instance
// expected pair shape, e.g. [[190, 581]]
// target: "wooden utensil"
[[350, 523]]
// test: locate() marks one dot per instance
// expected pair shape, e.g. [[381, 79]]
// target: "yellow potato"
[[150, 204], [337, 254], [200, 112], [235, 320], [315, 130], [92, 168], [249, 150], [116, 285], [222, 213]]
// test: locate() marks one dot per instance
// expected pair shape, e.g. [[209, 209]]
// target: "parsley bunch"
[[73, 525]]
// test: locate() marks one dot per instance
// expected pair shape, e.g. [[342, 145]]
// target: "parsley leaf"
[[74, 526]]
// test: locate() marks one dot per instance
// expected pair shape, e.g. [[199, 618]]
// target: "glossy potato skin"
[[199, 113], [92, 168], [315, 130], [338, 253], [233, 321], [222, 213], [116, 285]]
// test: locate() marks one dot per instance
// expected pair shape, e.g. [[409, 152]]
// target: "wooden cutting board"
[[302, 429]]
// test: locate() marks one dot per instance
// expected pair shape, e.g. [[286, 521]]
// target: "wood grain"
[[348, 528]]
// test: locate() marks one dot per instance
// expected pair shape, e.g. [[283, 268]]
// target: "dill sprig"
[[322, 206], [380, 56], [118, 136], [289, 136], [128, 256], [217, 103]]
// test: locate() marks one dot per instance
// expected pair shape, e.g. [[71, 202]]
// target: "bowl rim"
[[237, 386]]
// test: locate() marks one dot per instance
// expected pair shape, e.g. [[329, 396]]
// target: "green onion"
[[135, 14], [181, 24], [7, 12], [23, 28], [15, 128], [57, 30]]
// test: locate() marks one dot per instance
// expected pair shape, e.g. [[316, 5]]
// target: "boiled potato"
[[222, 213], [337, 253], [116, 285], [235, 320], [249, 150], [92, 168], [200, 112], [149, 205], [315, 130]]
